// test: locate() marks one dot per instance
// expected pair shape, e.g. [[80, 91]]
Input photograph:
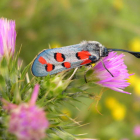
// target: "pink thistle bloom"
[[7, 37], [137, 130], [27, 121], [115, 64]]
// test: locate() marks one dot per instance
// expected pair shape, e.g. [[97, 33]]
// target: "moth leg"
[[106, 68], [94, 60]]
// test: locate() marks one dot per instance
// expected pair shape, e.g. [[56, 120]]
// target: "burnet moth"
[[52, 61]]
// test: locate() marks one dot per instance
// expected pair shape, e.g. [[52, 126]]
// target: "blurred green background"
[[114, 23]]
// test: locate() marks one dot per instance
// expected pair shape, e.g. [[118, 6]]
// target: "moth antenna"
[[106, 68], [136, 54]]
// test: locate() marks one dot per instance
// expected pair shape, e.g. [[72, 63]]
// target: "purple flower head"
[[136, 130], [7, 37], [115, 64], [27, 121]]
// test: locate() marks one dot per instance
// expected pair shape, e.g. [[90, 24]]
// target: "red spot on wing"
[[49, 67], [83, 55], [59, 57], [42, 60], [66, 65], [86, 62]]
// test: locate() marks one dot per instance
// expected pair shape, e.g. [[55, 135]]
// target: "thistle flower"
[[27, 121], [115, 64], [7, 37]]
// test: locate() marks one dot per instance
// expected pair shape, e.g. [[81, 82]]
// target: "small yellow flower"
[[111, 103], [118, 4], [55, 45], [135, 45], [133, 80], [93, 64], [119, 112], [66, 113], [137, 88]]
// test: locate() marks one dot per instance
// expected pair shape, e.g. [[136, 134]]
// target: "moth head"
[[103, 51], [94, 46]]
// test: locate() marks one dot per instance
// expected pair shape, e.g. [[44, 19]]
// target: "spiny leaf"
[[3, 62], [25, 71], [2, 81]]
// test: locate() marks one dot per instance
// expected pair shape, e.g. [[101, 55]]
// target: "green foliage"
[[55, 91]]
